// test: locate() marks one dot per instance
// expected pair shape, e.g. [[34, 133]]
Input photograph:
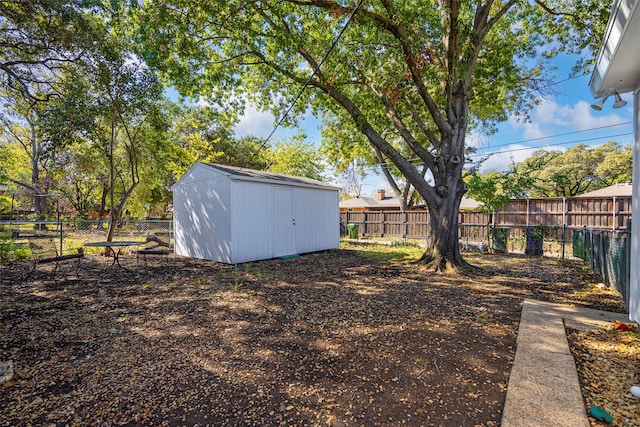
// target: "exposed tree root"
[[441, 264]]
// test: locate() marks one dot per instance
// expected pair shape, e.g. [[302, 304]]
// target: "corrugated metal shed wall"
[[251, 220], [317, 220], [202, 215], [233, 220]]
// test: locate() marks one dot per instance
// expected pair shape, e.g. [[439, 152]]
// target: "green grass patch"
[[384, 253], [12, 250]]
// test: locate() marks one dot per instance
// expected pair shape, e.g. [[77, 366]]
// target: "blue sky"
[[559, 122]]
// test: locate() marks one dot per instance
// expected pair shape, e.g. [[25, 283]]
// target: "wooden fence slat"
[[575, 212]]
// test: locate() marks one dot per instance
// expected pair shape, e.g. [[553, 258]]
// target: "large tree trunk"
[[102, 211], [39, 193], [116, 212], [443, 250]]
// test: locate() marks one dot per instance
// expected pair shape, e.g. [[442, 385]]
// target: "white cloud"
[[549, 116], [514, 153], [254, 123], [475, 140], [501, 160]]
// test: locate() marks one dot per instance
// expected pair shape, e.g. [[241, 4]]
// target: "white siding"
[[202, 216], [634, 285], [233, 221], [317, 220], [284, 221], [251, 221]]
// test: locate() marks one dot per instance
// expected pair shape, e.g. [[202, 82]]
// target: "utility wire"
[[418, 161], [315, 70], [550, 145], [564, 80], [555, 136]]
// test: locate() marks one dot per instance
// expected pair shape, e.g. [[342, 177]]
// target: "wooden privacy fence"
[[611, 213]]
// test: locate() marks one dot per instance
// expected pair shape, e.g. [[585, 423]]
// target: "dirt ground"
[[340, 338]]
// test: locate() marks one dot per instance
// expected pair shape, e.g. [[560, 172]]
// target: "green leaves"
[[41, 38], [554, 174], [296, 157], [203, 134], [577, 170], [403, 85]]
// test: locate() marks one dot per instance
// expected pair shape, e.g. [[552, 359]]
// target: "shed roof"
[[615, 190], [245, 174]]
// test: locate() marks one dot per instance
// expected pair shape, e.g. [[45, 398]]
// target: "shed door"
[[284, 222]]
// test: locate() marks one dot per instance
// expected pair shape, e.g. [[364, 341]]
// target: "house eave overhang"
[[616, 66]]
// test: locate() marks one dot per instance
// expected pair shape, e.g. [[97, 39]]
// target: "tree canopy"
[[397, 82], [577, 170], [295, 157], [554, 174], [405, 79], [40, 38]]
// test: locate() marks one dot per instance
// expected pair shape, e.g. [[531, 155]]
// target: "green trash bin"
[[352, 231], [499, 238]]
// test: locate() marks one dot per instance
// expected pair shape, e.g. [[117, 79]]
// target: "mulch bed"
[[608, 363], [334, 339]]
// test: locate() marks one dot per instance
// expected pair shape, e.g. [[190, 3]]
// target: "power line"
[[551, 145], [313, 73], [557, 135], [418, 161], [564, 80]]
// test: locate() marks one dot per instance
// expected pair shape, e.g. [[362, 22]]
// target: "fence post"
[[466, 232], [590, 255], [172, 238], [564, 225], [490, 221], [346, 221], [405, 226], [615, 211], [365, 224]]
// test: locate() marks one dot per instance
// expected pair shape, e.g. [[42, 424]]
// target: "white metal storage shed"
[[232, 215]]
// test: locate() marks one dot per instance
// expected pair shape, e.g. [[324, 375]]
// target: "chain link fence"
[[74, 232], [608, 253]]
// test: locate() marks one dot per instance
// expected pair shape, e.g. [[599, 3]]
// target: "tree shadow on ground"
[[334, 338]]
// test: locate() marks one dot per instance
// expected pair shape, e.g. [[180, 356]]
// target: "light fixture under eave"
[[598, 105], [619, 101]]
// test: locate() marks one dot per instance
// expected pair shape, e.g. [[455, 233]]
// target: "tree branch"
[[398, 32], [551, 11], [401, 127]]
